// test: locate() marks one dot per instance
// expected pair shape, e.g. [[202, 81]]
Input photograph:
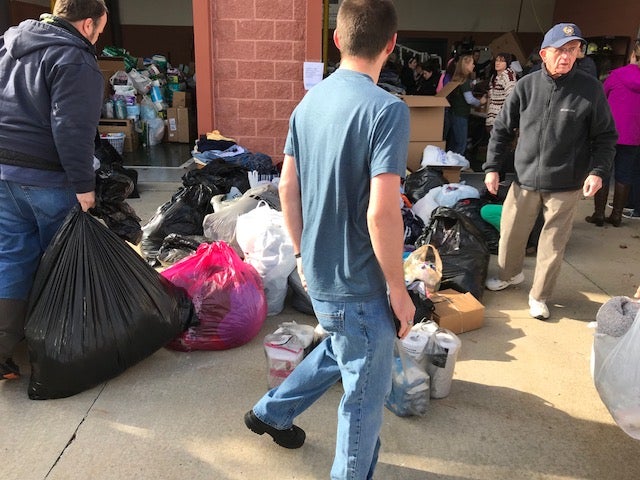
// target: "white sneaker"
[[538, 309], [496, 284]]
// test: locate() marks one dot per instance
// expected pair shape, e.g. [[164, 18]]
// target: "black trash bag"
[[413, 226], [175, 247], [462, 248], [182, 214], [96, 308], [424, 306], [110, 159], [112, 188], [420, 182], [219, 176], [471, 208], [300, 299]]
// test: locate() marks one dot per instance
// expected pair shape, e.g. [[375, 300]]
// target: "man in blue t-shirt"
[[345, 156]]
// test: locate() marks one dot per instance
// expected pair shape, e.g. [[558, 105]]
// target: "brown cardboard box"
[[109, 66], [509, 43], [458, 312], [181, 99], [426, 122], [124, 126], [179, 125], [451, 174]]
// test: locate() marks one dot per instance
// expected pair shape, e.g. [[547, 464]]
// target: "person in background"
[[408, 74], [354, 276], [461, 100], [622, 88], [428, 81], [568, 110], [501, 84], [51, 94]]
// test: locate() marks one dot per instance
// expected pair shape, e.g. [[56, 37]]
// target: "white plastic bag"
[[266, 245], [617, 376], [422, 267]]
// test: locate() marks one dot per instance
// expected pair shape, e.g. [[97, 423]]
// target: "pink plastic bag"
[[227, 295]]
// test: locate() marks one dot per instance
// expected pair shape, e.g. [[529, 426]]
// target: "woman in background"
[[501, 84], [461, 100]]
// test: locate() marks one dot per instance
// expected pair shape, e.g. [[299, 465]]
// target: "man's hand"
[[86, 200], [491, 180], [404, 309], [592, 184]]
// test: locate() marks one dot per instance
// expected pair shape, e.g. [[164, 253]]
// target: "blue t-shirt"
[[344, 132]]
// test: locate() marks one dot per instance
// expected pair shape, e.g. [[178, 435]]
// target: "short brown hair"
[[74, 10], [365, 26]]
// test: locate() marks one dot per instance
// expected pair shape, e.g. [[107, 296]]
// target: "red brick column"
[[259, 47]]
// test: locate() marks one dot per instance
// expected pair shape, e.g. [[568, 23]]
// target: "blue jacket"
[[50, 99], [566, 132]]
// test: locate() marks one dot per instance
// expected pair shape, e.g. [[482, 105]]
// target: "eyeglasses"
[[570, 51]]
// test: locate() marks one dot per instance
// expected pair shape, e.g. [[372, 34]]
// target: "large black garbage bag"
[[175, 247], [96, 308], [462, 248], [471, 208], [183, 214], [413, 226], [112, 188], [420, 182], [220, 176], [110, 159]]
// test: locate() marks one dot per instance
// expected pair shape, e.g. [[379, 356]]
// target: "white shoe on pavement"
[[538, 309], [496, 284]]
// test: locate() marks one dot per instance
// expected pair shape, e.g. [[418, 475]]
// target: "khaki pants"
[[519, 214]]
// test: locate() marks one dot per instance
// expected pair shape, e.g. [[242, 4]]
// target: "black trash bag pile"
[[175, 247], [183, 214], [462, 248], [220, 176], [112, 188], [110, 159], [418, 184], [471, 208], [96, 308]]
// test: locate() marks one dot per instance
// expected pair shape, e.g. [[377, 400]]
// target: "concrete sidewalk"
[[522, 404]]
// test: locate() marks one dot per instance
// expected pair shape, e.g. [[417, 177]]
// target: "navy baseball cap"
[[561, 34]]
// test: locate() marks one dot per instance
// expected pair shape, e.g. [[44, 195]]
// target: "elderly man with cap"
[[565, 147]]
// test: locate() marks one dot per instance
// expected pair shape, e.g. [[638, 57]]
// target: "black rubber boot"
[[599, 204], [620, 196]]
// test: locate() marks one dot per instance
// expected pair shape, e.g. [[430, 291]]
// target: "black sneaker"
[[631, 215], [9, 370], [290, 438]]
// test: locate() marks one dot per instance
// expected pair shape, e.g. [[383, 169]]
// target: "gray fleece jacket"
[[50, 98], [566, 132]]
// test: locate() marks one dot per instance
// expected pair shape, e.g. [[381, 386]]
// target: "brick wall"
[[259, 50]]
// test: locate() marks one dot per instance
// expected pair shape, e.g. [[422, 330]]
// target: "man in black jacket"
[[566, 145], [50, 98]]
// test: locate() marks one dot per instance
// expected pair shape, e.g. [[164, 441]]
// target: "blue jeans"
[[627, 171], [458, 130], [29, 218], [359, 350]]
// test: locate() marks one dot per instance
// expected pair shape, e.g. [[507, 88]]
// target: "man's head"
[[88, 16], [364, 28], [560, 48]]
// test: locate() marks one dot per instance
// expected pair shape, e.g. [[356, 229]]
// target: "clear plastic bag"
[[617, 376], [409, 387]]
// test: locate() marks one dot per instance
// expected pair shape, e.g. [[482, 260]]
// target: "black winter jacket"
[[566, 132], [50, 99]]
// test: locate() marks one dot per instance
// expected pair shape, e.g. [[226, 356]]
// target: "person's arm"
[[291, 203], [386, 229]]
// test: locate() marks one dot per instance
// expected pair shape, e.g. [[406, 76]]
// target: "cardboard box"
[[458, 312], [109, 66], [509, 43], [180, 125], [121, 126], [181, 99]]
